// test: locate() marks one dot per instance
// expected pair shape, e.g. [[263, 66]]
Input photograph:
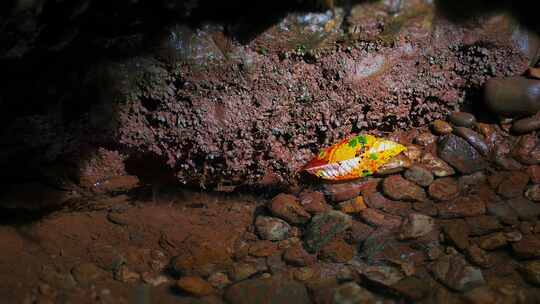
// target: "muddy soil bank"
[[205, 107]]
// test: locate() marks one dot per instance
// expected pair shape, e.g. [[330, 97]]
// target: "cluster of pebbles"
[[454, 219]]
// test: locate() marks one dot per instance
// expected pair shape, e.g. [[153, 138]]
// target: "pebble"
[[527, 150], [454, 272], [354, 205], [513, 185], [492, 241], [337, 251], [395, 165], [473, 138], [419, 175], [287, 207], [462, 119], [126, 275], [350, 293], [412, 288], [87, 273], [441, 127], [457, 233], [460, 154], [513, 236], [478, 256], [481, 295], [526, 125], [324, 227], [413, 152], [380, 219], [313, 202], [527, 248], [504, 213], [262, 248], [303, 273], [398, 188], [267, 290], [512, 96], [382, 275], [525, 209], [472, 180], [219, 280], [243, 270], [298, 256], [437, 166], [534, 173], [444, 189], [465, 206], [533, 193], [531, 272], [340, 192], [416, 225], [425, 139], [483, 224], [195, 286], [378, 201], [359, 232], [272, 228]]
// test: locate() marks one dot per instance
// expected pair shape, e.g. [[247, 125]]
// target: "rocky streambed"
[[458, 222]]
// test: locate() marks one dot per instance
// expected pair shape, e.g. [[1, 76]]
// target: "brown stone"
[[464, 206], [378, 201], [380, 219], [457, 233], [419, 175], [337, 251], [525, 209], [527, 248], [263, 248], [298, 256], [313, 202], [437, 166], [460, 154], [441, 127], [444, 189], [287, 207], [354, 205], [416, 225], [454, 272], [359, 232], [425, 139], [478, 256], [340, 192], [526, 150], [513, 185], [412, 288], [533, 193], [534, 173], [413, 152], [398, 188], [492, 241], [462, 119], [483, 224], [195, 286]]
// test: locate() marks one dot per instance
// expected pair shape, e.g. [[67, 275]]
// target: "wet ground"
[[455, 221]]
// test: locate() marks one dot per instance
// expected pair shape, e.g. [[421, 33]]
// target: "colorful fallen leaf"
[[358, 156]]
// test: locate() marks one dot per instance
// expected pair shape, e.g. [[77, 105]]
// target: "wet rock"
[[219, 280], [378, 201], [454, 272], [483, 224], [412, 288], [313, 202], [534, 173], [426, 208], [267, 291], [513, 236], [441, 127], [275, 264], [462, 119], [437, 166], [324, 227], [126, 275], [472, 180], [492, 241], [380, 219], [526, 125], [382, 275], [243, 270], [425, 139], [354, 205], [398, 188], [513, 96], [527, 150], [345, 191], [531, 272], [457, 233], [349, 293], [504, 213], [513, 185], [481, 295], [298, 256], [525, 209], [527, 248], [416, 225], [359, 232], [460, 154], [473, 138], [533, 193], [271, 228], [419, 175], [337, 251], [465, 206], [413, 152], [478, 256], [153, 279], [195, 286], [304, 273], [395, 165], [87, 273], [444, 189], [287, 207], [262, 248]]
